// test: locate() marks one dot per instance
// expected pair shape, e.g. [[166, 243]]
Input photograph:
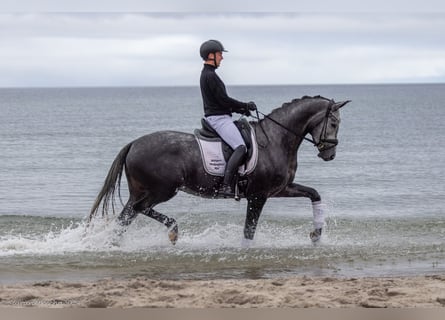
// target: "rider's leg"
[[227, 130], [236, 159]]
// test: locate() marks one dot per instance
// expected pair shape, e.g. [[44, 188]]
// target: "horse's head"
[[324, 133]]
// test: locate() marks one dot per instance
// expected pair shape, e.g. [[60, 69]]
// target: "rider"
[[218, 108]]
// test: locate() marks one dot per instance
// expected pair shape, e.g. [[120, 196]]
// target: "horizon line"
[[234, 85]]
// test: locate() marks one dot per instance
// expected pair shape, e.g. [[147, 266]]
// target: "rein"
[[321, 141], [282, 126]]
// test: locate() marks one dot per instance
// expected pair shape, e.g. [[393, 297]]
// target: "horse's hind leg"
[[170, 223], [127, 215]]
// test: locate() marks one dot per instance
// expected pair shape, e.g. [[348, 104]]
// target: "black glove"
[[247, 113], [251, 106]]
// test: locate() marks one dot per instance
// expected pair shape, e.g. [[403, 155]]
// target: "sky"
[[72, 43]]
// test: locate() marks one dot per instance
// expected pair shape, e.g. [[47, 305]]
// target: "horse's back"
[[161, 143], [162, 153]]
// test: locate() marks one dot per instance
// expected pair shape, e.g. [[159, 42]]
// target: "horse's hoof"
[[173, 234], [315, 235]]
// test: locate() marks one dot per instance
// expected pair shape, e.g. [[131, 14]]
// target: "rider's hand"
[[247, 113], [251, 106]]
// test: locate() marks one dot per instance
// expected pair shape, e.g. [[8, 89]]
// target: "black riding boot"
[[236, 159]]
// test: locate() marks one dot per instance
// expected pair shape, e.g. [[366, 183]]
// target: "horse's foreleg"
[[254, 207], [170, 223], [298, 190]]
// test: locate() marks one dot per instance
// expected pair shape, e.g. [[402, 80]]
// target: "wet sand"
[[294, 292]]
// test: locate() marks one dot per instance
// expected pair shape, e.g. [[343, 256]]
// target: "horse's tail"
[[111, 184]]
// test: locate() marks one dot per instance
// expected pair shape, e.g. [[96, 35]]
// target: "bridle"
[[323, 143]]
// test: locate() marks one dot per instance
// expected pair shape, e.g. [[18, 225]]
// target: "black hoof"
[[173, 234]]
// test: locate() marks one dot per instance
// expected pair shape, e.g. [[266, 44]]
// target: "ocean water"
[[384, 193]]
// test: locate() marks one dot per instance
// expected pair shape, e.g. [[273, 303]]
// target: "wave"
[[211, 246]]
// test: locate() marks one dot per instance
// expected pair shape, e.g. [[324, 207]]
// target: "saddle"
[[209, 134], [215, 153]]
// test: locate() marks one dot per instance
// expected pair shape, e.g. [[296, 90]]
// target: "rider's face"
[[218, 57]]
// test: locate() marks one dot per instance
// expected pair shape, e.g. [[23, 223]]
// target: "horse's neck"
[[297, 119]]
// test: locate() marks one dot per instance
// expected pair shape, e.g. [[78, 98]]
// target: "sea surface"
[[384, 193]]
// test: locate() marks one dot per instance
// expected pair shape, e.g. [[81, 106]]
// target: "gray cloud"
[[338, 6], [63, 49]]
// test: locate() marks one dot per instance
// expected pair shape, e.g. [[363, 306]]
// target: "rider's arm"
[[224, 100]]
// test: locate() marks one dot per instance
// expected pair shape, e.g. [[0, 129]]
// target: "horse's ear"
[[340, 104]]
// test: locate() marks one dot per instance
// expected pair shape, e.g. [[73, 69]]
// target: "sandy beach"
[[295, 292]]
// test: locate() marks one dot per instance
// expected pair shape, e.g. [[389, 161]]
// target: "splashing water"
[[209, 249]]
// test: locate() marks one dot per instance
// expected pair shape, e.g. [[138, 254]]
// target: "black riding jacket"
[[214, 95]]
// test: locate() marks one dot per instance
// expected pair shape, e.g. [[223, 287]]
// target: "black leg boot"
[[232, 166]]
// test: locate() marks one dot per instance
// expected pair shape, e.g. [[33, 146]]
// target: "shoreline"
[[426, 291]]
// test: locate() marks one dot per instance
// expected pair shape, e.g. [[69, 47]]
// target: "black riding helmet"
[[210, 46]]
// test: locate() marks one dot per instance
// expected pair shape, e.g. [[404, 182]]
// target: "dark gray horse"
[[160, 164]]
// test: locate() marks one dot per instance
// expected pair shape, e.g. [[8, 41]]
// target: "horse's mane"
[[297, 101]]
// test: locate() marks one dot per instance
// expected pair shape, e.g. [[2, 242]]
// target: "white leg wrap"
[[318, 209]]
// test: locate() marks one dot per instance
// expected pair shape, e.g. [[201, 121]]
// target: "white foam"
[[147, 235]]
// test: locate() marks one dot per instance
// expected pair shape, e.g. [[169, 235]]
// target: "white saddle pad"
[[213, 157]]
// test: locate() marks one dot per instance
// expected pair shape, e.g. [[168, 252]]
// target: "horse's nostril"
[[332, 157]]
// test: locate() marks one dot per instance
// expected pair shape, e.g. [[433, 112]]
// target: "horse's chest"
[[279, 180]]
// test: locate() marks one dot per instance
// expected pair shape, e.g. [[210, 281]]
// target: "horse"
[[160, 164]]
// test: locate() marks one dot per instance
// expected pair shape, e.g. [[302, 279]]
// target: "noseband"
[[323, 143]]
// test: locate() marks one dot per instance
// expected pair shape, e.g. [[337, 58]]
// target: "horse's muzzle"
[[327, 154], [326, 157], [327, 149]]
